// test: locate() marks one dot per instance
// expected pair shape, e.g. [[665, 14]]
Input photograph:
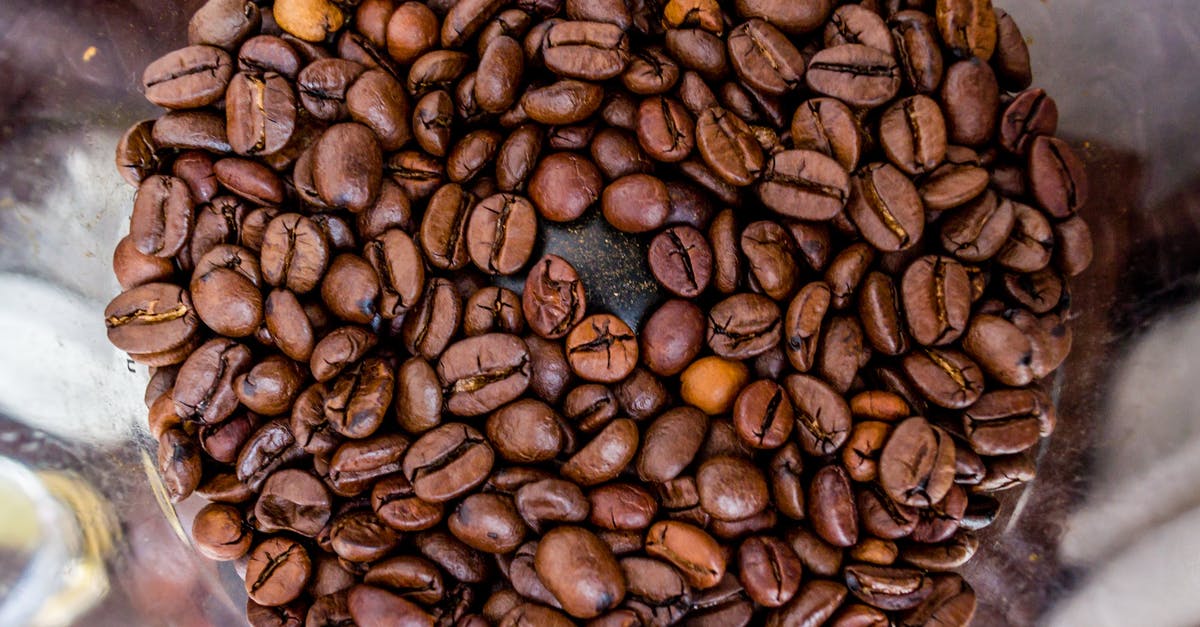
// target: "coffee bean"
[[743, 325], [968, 27], [636, 203], [681, 260], [888, 588], [858, 75], [731, 488], [947, 378], [1030, 243], [665, 129], [1056, 177], [936, 295], [488, 522], [563, 186], [826, 125], [918, 49], [580, 571], [831, 507], [764, 58], [219, 534], [277, 571], [602, 348], [672, 337], [484, 372], [1011, 59], [260, 113], [694, 553], [822, 415], [698, 50], [340, 348], [885, 207], [566, 101], [804, 184], [970, 98], [605, 456], [770, 252], [188, 78], [769, 570]]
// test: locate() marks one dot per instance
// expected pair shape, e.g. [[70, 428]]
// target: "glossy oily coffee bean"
[[743, 326], [828, 126], [1031, 114], [681, 260], [936, 295], [277, 571], [860, 457], [803, 322], [665, 129], [219, 534], [401, 270], [270, 386], [501, 67], [151, 318], [888, 588], [650, 72], [580, 571], [472, 154], [564, 185], [191, 130], [527, 431], [355, 464], [493, 309], [622, 507], [787, 489], [1000, 348], [769, 569], [770, 253], [488, 523], [636, 203], [672, 337], [804, 184], [137, 155], [398, 506], [348, 166], [822, 415], [978, 230], [885, 207], [358, 400], [322, 87], [947, 378], [501, 233], [602, 348], [350, 289], [694, 553], [1011, 58], [481, 373], [918, 49], [260, 113], [882, 316], [179, 464], [590, 51], [549, 501], [731, 488], [831, 507], [433, 122], [188, 78], [563, 102], [447, 462], [1008, 421], [617, 154], [764, 58], [728, 146], [1057, 177], [763, 415], [727, 263], [670, 444], [554, 300], [339, 349], [443, 233], [917, 464], [295, 253], [858, 75], [602, 459], [293, 500]]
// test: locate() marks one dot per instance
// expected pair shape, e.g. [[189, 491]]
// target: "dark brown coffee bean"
[[204, 389], [411, 31], [764, 58], [580, 571], [605, 456], [879, 309], [488, 523], [447, 462], [293, 500], [444, 226], [550, 501], [179, 463], [151, 318], [526, 431], [743, 326], [250, 180], [861, 454], [918, 49], [970, 99], [590, 51], [665, 129], [622, 507], [913, 134], [224, 23], [465, 19], [698, 50], [763, 415], [270, 387], [1073, 246], [553, 299], [617, 154], [269, 448], [769, 570], [472, 154], [162, 218], [433, 122], [802, 326], [338, 349], [651, 71], [671, 443], [277, 571], [917, 464], [1056, 177], [770, 253], [858, 75], [1008, 421], [416, 578], [1030, 243], [501, 67], [888, 588], [350, 289], [787, 490], [1031, 114], [681, 260], [968, 27], [822, 415], [268, 53], [260, 113], [348, 166], [398, 506], [564, 185], [885, 207], [694, 553], [947, 378], [853, 24], [728, 146], [937, 302], [357, 463], [636, 203], [826, 125], [978, 230], [831, 507], [804, 184], [188, 78], [563, 102], [137, 154], [482, 373], [322, 87], [501, 233], [219, 534], [437, 69], [672, 337], [1011, 59], [731, 488], [375, 607], [842, 352], [1000, 348], [191, 130], [602, 348]]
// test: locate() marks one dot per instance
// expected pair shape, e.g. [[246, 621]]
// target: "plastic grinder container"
[[1107, 535]]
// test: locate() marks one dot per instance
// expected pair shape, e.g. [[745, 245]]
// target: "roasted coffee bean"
[[918, 51], [398, 506], [602, 459], [822, 415], [978, 230], [350, 289], [636, 203], [970, 99], [179, 463], [481, 373], [947, 378], [826, 125], [137, 155], [295, 253], [188, 78], [968, 27], [414, 577], [564, 185], [769, 569], [731, 488], [936, 296], [763, 415], [665, 129], [376, 607], [885, 207], [204, 390], [447, 462], [622, 507], [764, 58], [786, 487], [672, 337], [694, 553], [671, 443], [550, 501], [727, 263], [816, 601], [804, 184], [192, 129], [917, 464], [831, 507], [858, 75], [913, 134], [563, 102], [1056, 177], [698, 50], [293, 500], [1031, 114], [743, 325], [428, 328], [526, 431], [277, 571], [728, 145], [1011, 59], [501, 233], [580, 571], [488, 523], [681, 260], [357, 463], [802, 325], [219, 534], [590, 51], [712, 383], [162, 218], [770, 252], [339, 349], [152, 318], [602, 348], [888, 588]]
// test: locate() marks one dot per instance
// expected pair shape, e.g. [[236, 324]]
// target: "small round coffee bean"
[[602, 348]]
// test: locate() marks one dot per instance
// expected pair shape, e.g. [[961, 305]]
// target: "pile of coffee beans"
[[862, 226]]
